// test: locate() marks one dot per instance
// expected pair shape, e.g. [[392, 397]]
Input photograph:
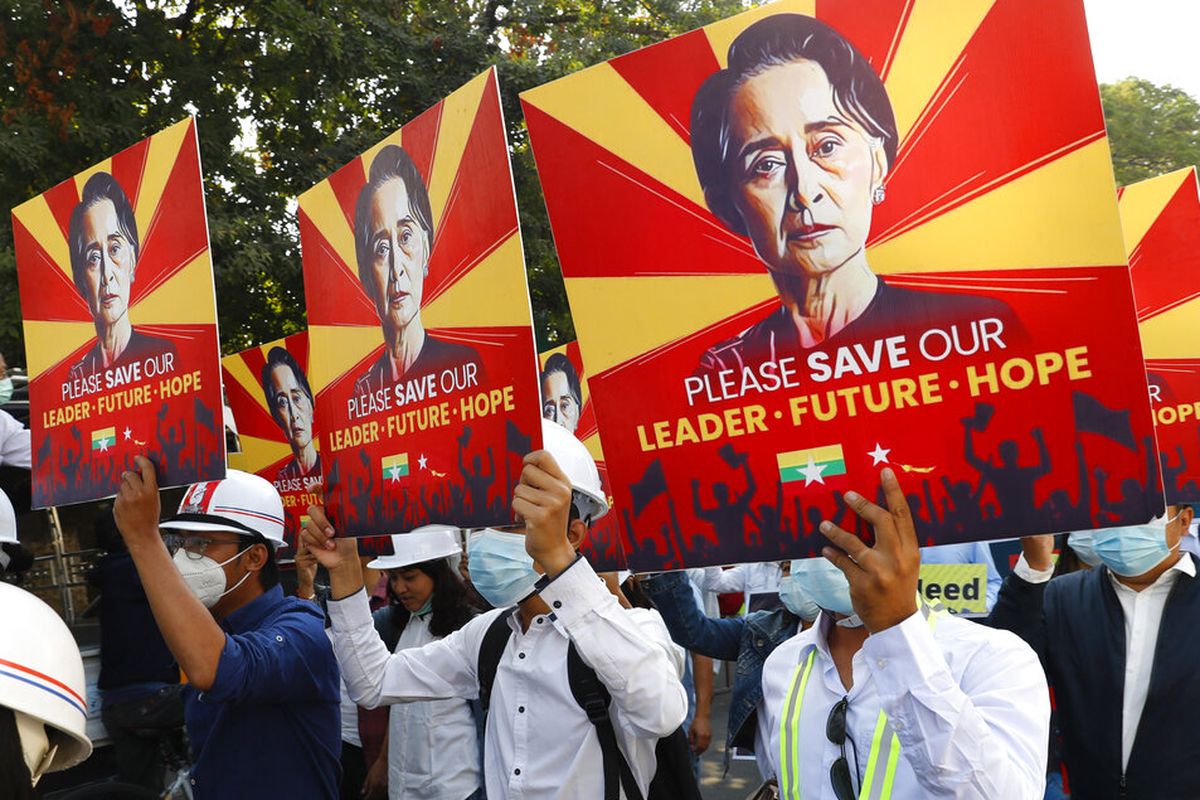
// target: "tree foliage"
[[1152, 129], [285, 92]]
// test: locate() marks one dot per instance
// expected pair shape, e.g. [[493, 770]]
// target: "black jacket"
[[1080, 637]]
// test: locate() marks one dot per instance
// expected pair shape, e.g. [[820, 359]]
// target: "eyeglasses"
[[835, 731], [192, 544]]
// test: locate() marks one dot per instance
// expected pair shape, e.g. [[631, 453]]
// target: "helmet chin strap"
[[35, 745]]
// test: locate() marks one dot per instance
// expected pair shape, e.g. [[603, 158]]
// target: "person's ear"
[[880, 163], [255, 558], [577, 533]]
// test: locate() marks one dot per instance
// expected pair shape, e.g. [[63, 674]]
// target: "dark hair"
[[558, 362], [278, 357], [451, 608], [19, 558], [268, 576], [100, 186], [782, 39], [393, 161], [15, 780]]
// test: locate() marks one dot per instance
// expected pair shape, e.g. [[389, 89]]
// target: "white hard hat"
[[423, 544], [241, 503], [574, 459], [8, 520], [41, 675]]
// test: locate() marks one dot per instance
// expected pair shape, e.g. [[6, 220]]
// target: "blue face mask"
[[796, 600], [500, 568], [1082, 542], [6, 390], [824, 583], [1134, 549]]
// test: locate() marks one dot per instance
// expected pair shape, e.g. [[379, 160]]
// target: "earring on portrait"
[[878, 195]]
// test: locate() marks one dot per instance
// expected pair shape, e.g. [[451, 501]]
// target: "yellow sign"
[[961, 588]]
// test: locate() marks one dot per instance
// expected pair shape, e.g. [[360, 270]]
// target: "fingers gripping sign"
[[318, 538], [137, 507], [883, 578], [542, 500]]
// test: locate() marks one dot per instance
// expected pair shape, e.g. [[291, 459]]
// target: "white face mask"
[[6, 390], [35, 745], [205, 577]]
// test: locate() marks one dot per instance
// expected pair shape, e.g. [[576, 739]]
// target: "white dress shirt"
[[1143, 612], [15, 449], [433, 745], [749, 579], [969, 705], [538, 743]]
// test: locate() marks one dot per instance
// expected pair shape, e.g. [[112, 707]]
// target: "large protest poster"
[[821, 238], [120, 323], [420, 331], [268, 391], [567, 401], [1162, 231]]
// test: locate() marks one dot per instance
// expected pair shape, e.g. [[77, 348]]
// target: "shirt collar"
[[253, 614]]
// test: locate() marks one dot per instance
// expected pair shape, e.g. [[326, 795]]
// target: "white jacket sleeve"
[[983, 736], [441, 669], [630, 651], [15, 447]]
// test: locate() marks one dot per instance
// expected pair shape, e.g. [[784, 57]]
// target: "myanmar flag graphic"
[[104, 438], [812, 465], [395, 467]]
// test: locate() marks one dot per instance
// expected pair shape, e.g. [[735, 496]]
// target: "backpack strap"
[[494, 641], [594, 699]]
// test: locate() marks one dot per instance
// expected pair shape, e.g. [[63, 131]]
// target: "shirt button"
[[558, 603], [541, 620], [881, 663], [520, 655], [517, 771], [897, 725], [520, 709], [278, 638]]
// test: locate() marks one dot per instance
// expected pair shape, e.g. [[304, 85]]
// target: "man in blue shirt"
[[262, 705]]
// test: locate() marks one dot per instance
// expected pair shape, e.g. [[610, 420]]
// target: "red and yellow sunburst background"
[[1162, 230], [171, 298], [603, 547], [1002, 187], [475, 294]]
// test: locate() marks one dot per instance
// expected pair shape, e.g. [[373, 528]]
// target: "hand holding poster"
[[567, 402], [1162, 231], [836, 254], [120, 323], [420, 330]]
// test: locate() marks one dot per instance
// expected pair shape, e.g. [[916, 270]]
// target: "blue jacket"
[[747, 640], [1076, 625]]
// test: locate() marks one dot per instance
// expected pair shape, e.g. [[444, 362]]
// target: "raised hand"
[[883, 578], [543, 500]]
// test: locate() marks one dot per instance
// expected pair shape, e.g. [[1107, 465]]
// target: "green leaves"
[[1152, 129]]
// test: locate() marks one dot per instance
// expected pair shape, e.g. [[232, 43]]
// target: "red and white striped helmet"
[[241, 503]]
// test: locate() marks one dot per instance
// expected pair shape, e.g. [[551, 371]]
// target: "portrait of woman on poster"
[[792, 144], [393, 241], [290, 399], [103, 243]]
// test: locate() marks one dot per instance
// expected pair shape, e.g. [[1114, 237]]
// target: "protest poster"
[[268, 391], [818, 239], [1162, 232], [961, 588], [567, 401], [120, 323], [421, 351]]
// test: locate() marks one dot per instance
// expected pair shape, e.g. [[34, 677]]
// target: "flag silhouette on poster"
[[420, 330], [836, 253], [120, 322], [1162, 231]]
